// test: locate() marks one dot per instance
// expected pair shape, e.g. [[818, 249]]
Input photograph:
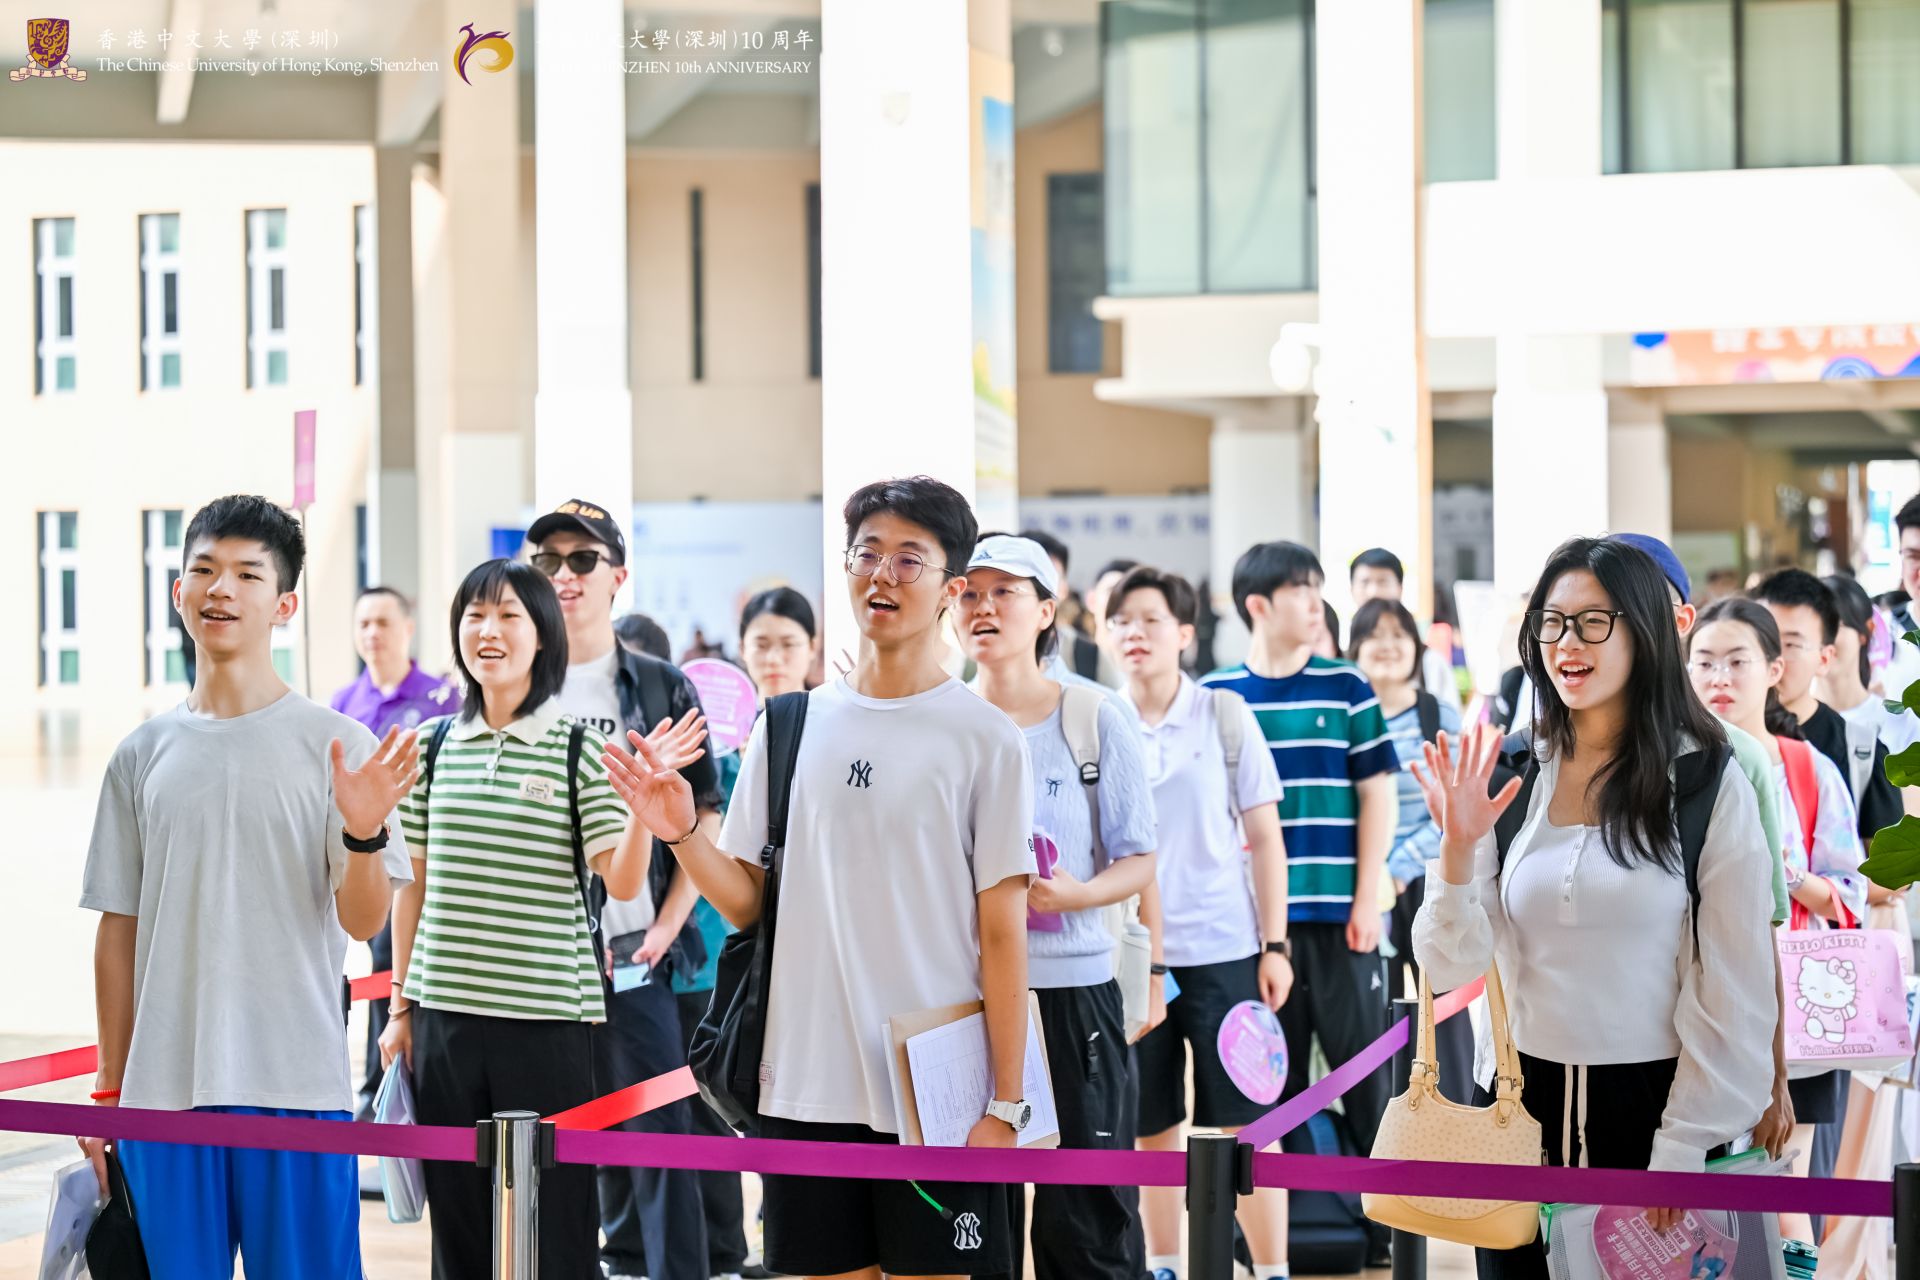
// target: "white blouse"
[[1601, 967]]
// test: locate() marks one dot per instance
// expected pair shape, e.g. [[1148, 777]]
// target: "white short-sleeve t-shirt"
[[221, 837], [903, 809], [1206, 897]]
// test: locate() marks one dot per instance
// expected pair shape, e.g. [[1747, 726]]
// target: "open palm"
[[365, 796], [657, 796], [1456, 788]]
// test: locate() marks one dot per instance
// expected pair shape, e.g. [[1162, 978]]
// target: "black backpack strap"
[[656, 700], [1696, 786], [576, 746], [786, 721], [434, 742], [1427, 707], [1508, 825]]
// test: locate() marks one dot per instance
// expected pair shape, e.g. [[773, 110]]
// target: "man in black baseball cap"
[[652, 1217]]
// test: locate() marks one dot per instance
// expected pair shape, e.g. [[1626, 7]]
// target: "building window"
[[159, 301], [166, 664], [364, 319], [266, 298], [56, 355], [1736, 84], [813, 279], [59, 597], [696, 218], [1459, 90], [1076, 272]]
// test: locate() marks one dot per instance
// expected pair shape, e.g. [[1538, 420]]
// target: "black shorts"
[[827, 1226], [1207, 993]]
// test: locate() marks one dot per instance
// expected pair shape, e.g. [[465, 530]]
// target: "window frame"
[[56, 561], [156, 264], [50, 267], [160, 566], [264, 341]]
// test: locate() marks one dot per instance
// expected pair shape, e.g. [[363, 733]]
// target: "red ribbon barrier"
[[49, 1068]]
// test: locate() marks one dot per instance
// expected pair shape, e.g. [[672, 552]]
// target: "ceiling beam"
[[176, 81]]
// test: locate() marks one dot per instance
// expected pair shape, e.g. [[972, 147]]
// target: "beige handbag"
[[1421, 1124]]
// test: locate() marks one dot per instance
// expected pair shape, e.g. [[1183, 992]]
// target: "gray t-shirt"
[[222, 838], [1081, 954]]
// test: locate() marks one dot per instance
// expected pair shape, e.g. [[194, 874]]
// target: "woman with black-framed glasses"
[[1638, 958]]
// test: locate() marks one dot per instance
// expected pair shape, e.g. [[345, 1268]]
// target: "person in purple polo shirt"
[[391, 690]]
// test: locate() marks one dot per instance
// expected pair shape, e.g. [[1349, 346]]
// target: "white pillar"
[[393, 506], [582, 409], [902, 190], [1376, 429], [1260, 487], [1639, 473], [1550, 448]]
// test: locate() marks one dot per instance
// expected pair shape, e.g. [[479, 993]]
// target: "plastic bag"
[[402, 1179], [75, 1203]]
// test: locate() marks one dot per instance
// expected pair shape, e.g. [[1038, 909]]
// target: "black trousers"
[[720, 1200], [652, 1217], [1338, 995], [1624, 1105], [1084, 1232], [382, 946], [465, 1068]]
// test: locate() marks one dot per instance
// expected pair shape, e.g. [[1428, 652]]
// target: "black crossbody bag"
[[727, 1046]]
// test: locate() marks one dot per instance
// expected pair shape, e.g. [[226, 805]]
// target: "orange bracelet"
[[101, 1095]]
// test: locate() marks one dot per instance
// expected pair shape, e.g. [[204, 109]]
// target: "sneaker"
[[1166, 1273], [754, 1271]]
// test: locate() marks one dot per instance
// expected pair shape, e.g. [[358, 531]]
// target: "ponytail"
[[1781, 723]]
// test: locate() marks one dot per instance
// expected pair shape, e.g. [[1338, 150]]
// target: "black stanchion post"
[[1410, 1250], [1212, 1192], [1906, 1222]]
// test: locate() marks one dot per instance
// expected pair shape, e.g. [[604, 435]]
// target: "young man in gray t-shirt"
[[241, 838]]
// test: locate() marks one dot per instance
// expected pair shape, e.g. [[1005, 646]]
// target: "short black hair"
[[488, 582], [1367, 619], [1180, 595], [1378, 558], [781, 602], [399, 597], [1908, 516], [932, 504], [1268, 566], [1122, 565], [1049, 544], [638, 633], [1332, 617], [1855, 607], [1792, 587], [256, 519]]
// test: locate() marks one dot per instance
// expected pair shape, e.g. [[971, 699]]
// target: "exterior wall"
[[1069, 439], [109, 451]]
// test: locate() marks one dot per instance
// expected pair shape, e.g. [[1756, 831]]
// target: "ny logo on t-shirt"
[[860, 775]]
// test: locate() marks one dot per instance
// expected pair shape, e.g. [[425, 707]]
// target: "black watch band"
[[1158, 970], [1280, 948], [375, 845]]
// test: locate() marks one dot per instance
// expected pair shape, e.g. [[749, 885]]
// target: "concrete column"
[[915, 178], [1260, 489], [1376, 429], [481, 474], [1550, 447], [1639, 475], [582, 409], [393, 480]]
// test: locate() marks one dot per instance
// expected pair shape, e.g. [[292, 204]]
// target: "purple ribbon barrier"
[[1303, 1106], [1831, 1196]]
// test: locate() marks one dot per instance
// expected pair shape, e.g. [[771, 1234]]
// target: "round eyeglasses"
[[905, 566]]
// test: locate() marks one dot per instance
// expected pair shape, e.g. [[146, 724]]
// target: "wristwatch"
[[373, 845], [1016, 1114], [1280, 948]]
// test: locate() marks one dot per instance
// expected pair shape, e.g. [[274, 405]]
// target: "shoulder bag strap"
[[786, 720], [434, 742], [1428, 708], [1080, 723], [1233, 739], [576, 745], [1797, 756], [1508, 1082]]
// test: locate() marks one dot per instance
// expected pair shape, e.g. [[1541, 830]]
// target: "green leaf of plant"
[[1895, 859], [1912, 638], [1903, 770], [1911, 698], [1893, 708]]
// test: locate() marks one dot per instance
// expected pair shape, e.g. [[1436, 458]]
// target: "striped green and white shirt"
[[503, 932]]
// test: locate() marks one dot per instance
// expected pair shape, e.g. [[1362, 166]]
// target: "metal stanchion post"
[[1218, 1174], [1410, 1250], [1906, 1222], [512, 1144]]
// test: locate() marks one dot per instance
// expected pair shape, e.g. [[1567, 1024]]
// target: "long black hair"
[[1664, 718], [1781, 723], [1856, 614], [781, 602], [488, 582], [1368, 619]]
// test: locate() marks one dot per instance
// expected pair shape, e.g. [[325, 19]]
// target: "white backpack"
[[1080, 722]]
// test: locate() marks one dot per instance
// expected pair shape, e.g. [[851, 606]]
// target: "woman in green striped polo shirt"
[[493, 955]]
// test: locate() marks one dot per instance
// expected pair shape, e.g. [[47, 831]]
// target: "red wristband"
[[101, 1095]]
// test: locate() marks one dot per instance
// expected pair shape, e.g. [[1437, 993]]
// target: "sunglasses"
[[581, 562]]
